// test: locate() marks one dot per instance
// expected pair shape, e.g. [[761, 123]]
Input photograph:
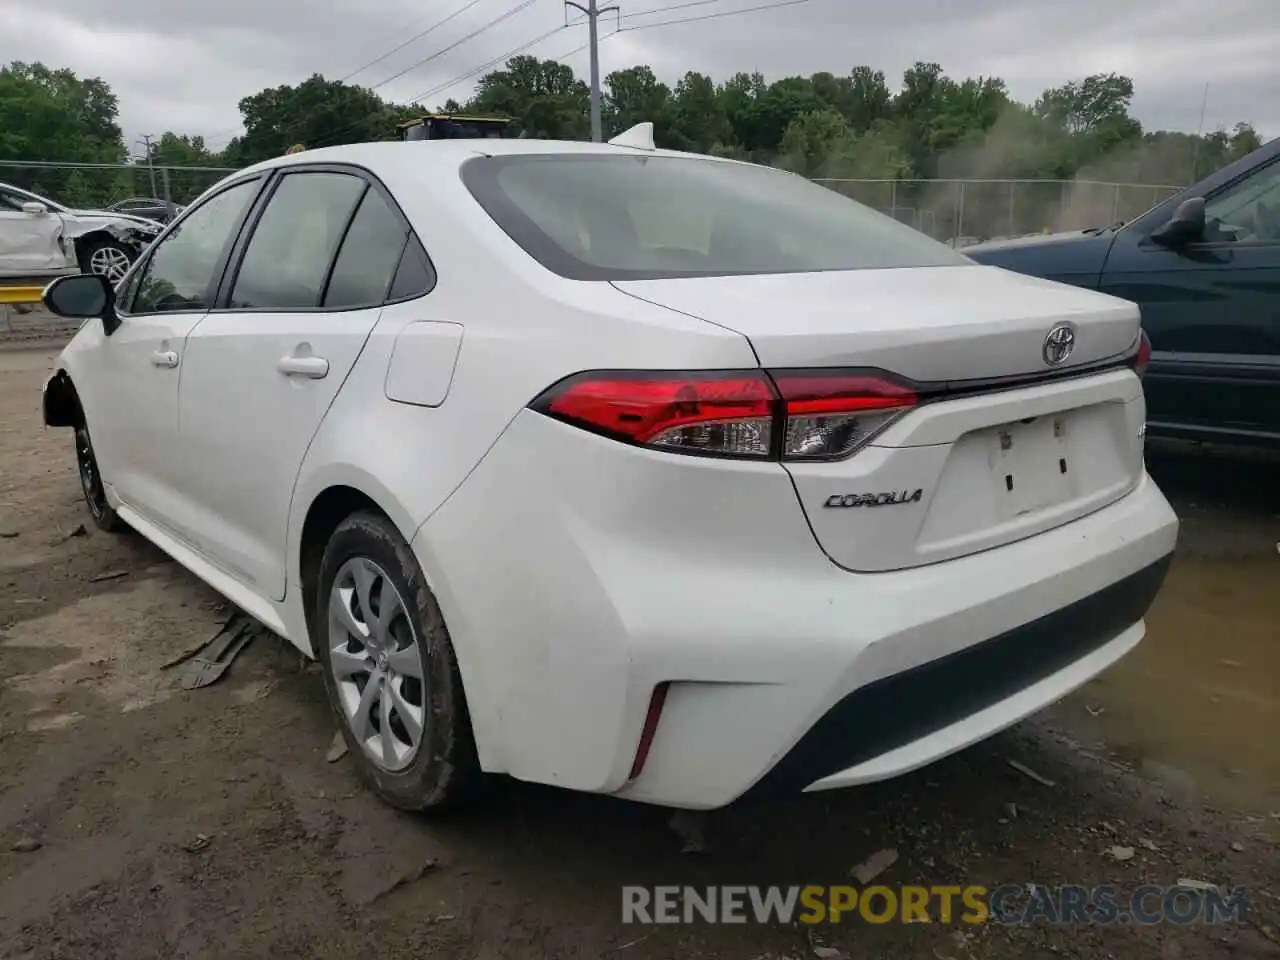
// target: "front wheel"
[[107, 258], [95, 495], [390, 670]]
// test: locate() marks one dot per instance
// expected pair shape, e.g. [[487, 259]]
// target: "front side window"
[[183, 269], [288, 257], [621, 217], [1247, 211]]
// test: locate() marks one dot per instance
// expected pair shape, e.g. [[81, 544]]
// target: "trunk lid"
[[961, 471], [924, 323]]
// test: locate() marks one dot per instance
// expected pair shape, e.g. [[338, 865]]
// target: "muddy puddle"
[[1198, 702]]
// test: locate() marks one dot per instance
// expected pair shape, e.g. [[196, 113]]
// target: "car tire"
[[107, 258], [366, 565], [95, 496]]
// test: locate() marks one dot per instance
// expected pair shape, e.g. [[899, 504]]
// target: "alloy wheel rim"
[[109, 262], [90, 482], [376, 662]]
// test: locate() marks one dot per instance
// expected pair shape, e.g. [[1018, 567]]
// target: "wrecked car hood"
[[135, 231], [112, 215]]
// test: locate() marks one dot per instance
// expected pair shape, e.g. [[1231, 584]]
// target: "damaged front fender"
[[134, 234]]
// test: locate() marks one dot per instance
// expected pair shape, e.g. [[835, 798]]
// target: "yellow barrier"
[[20, 294]]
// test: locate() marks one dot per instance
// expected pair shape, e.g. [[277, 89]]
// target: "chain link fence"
[[956, 211], [966, 211], [97, 185]]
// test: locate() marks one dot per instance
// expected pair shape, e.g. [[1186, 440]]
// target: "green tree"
[[698, 117], [1088, 105], [813, 139], [1243, 141], [542, 97], [768, 115], [635, 96], [869, 98], [315, 113], [53, 115]]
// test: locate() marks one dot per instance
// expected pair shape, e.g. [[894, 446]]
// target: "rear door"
[[1212, 311], [303, 292]]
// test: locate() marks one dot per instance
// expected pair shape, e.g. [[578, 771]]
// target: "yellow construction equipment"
[[453, 126]]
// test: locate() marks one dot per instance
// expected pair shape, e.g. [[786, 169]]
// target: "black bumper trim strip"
[[888, 713]]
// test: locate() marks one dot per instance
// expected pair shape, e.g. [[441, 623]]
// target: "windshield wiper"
[[1094, 231]]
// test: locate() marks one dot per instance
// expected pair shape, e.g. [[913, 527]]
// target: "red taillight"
[[730, 414], [1143, 357], [830, 414], [780, 414]]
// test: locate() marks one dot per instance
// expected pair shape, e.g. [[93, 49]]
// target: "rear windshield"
[[621, 217]]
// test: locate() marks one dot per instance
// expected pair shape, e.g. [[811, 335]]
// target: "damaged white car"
[[41, 238]]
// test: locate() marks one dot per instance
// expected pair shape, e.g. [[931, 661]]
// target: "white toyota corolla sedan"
[[629, 471]]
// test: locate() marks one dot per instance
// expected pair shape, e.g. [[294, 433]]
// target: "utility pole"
[[1195, 149], [593, 11], [151, 167]]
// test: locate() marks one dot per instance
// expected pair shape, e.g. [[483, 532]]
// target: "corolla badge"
[[1058, 344]]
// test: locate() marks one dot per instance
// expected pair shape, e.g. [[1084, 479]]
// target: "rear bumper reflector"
[[651, 718]]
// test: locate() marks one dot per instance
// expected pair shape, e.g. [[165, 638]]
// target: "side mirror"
[[1185, 226], [34, 208], [82, 297]]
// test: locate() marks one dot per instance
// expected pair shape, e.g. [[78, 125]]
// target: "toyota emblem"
[[1059, 344]]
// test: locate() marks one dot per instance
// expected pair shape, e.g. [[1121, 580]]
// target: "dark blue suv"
[[1204, 266]]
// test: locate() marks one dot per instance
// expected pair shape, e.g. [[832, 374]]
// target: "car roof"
[[444, 155]]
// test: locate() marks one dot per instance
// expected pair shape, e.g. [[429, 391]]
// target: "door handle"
[[313, 368], [164, 358]]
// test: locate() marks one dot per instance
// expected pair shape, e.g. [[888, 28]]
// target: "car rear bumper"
[[572, 593], [903, 721]]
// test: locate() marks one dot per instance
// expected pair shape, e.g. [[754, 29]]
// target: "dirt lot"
[[140, 821]]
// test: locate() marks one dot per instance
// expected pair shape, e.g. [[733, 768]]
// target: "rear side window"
[[627, 217], [415, 276], [288, 257], [370, 253]]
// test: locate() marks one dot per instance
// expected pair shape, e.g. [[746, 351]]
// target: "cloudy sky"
[[182, 64]]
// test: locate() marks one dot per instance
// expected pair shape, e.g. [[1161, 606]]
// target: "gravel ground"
[[137, 820]]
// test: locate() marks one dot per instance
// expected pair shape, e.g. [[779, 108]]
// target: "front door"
[[133, 378], [1212, 311], [262, 369]]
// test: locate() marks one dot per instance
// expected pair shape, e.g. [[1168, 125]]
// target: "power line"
[[593, 10], [565, 56], [338, 134], [508, 55], [414, 39], [524, 4], [488, 63], [671, 6], [675, 6], [560, 59], [716, 16]]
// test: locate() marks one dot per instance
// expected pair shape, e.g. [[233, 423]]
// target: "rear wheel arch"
[[326, 512], [337, 514], [330, 508]]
